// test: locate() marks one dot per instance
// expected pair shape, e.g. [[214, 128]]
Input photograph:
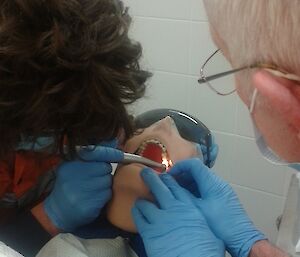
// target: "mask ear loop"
[[278, 73], [267, 152], [253, 100], [285, 75]]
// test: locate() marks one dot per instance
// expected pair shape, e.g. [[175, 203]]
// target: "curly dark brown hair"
[[67, 70]]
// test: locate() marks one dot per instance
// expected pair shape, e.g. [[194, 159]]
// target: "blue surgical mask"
[[295, 166], [38, 145], [264, 149]]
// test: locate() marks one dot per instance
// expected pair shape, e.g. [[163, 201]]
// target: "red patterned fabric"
[[22, 171]]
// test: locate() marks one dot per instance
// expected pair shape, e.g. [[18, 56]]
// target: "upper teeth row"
[[151, 141]]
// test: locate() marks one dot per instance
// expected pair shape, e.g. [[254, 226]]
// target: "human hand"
[[82, 188], [213, 152], [173, 226], [220, 206]]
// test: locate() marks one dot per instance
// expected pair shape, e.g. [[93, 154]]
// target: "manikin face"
[[160, 140]]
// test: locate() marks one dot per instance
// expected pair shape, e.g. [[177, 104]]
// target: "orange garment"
[[5, 178], [23, 170]]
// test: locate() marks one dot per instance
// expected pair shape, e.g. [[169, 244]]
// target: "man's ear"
[[282, 94]]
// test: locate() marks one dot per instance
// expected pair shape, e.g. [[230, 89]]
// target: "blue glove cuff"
[[50, 207], [246, 248]]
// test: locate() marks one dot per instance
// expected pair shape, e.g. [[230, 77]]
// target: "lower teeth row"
[[152, 141]]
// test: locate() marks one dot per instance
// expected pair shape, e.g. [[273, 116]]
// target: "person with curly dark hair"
[[67, 71]]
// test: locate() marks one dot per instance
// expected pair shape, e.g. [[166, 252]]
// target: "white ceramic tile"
[[217, 112], [198, 10], [201, 46], [243, 121], [165, 43], [223, 165], [262, 208], [288, 176], [164, 91], [172, 9], [133, 6], [250, 169]]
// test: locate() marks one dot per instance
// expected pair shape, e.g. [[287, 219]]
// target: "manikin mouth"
[[156, 151]]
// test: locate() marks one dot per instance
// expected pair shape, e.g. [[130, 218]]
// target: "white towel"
[[66, 245], [6, 251]]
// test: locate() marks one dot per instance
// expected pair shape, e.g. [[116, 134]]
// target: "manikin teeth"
[[143, 146], [156, 151]]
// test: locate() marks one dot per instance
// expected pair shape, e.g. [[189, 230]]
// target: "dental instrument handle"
[[133, 158]]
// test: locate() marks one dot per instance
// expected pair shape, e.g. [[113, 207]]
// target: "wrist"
[[264, 249], [41, 216]]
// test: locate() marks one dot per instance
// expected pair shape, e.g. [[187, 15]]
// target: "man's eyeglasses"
[[222, 82]]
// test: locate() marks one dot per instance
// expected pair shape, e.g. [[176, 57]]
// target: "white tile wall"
[[243, 124], [175, 37], [197, 10], [250, 169], [217, 112], [173, 9], [223, 164], [262, 208], [165, 43], [201, 46], [158, 93]]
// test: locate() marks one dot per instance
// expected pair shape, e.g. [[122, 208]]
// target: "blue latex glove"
[[220, 206], [214, 149], [185, 179], [82, 188], [173, 227]]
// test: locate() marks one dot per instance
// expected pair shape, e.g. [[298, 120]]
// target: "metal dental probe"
[[133, 158]]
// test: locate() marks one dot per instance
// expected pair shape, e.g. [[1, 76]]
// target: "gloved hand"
[[173, 227], [213, 152], [82, 188], [220, 206]]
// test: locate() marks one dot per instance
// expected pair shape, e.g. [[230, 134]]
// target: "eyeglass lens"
[[218, 64]]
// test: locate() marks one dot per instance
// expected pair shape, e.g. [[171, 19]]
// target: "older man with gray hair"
[[260, 39]]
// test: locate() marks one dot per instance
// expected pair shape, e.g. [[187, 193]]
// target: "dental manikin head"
[[254, 31], [160, 141]]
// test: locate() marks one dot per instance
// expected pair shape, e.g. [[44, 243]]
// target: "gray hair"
[[258, 31]]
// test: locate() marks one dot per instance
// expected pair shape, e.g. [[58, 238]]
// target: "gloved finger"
[[160, 191], [214, 149], [213, 155], [201, 152], [205, 179], [97, 169], [96, 185], [185, 180], [101, 154], [150, 212], [101, 198], [111, 143], [178, 192], [93, 205], [84, 170], [139, 220], [201, 205]]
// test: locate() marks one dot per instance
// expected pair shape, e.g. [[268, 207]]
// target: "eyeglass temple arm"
[[204, 79]]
